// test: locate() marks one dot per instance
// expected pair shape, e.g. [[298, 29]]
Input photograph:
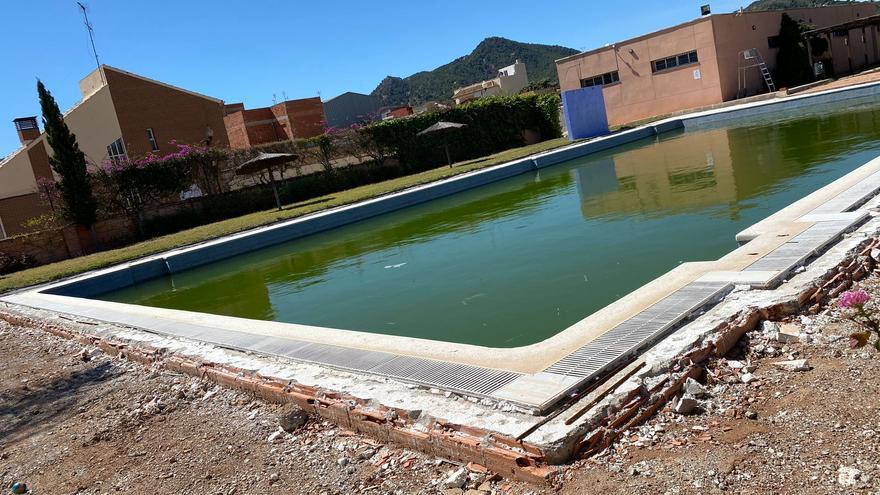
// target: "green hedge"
[[493, 124], [231, 204]]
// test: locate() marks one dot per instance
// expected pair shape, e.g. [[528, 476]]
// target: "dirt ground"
[[75, 421], [109, 426], [860, 78]]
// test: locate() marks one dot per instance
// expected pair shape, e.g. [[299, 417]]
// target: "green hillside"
[[482, 63], [791, 4]]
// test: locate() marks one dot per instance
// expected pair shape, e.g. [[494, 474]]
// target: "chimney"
[[27, 129]]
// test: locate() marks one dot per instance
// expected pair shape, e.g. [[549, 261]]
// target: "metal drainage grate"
[[639, 331], [467, 379], [804, 245], [853, 196]]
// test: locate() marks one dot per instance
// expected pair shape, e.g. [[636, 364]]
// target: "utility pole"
[[91, 39]]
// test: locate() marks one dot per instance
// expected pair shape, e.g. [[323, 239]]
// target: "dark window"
[[154, 146], [26, 123], [839, 33], [676, 61], [773, 41], [116, 150], [601, 79]]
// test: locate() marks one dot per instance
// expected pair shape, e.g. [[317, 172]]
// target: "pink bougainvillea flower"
[[853, 298]]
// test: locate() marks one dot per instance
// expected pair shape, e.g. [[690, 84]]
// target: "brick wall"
[[171, 113], [238, 137], [15, 211], [49, 246], [262, 126], [288, 120], [304, 117]]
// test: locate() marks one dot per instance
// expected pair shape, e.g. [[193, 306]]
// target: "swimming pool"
[[514, 262]]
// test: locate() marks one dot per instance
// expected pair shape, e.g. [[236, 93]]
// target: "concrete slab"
[[848, 217], [537, 388], [754, 278]]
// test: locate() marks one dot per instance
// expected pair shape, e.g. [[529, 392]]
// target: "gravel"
[[777, 415]]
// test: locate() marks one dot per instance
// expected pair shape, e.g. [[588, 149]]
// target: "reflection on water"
[[514, 262]]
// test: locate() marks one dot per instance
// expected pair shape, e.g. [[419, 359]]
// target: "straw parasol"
[[443, 128], [266, 161]]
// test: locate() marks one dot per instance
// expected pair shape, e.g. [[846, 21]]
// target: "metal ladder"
[[764, 72], [749, 59]]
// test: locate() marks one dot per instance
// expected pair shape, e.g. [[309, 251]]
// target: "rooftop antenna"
[[284, 95], [91, 32], [274, 99]]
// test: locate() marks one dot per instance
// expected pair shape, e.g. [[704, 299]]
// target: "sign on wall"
[[697, 74]]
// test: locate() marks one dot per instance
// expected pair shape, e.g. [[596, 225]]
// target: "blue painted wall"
[[584, 112]]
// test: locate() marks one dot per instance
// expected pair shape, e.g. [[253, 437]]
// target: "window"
[[2, 230], [152, 139], [116, 150], [676, 61], [601, 80], [773, 41], [839, 33]]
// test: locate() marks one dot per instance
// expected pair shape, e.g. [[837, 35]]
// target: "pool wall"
[[178, 260]]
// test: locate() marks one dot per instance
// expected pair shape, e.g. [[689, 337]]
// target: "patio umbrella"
[[443, 128], [266, 161]]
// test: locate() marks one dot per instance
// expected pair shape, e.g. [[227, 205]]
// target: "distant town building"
[[510, 81], [396, 112], [706, 61], [431, 106], [288, 120], [120, 115], [351, 108]]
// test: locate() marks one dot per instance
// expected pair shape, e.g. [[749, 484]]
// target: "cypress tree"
[[68, 161], [792, 67]]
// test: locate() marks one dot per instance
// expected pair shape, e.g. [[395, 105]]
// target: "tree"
[[792, 67], [69, 162], [130, 185]]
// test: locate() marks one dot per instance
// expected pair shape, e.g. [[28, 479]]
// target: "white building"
[[510, 81]]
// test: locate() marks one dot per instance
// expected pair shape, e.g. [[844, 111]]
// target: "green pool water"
[[517, 261]]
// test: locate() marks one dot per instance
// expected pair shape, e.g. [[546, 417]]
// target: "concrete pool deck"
[[532, 377]]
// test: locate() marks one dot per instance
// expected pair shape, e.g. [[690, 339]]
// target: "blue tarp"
[[584, 112]]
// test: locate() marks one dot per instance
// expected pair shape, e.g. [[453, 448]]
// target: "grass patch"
[[66, 268]]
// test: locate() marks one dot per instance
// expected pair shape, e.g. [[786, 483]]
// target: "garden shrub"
[[231, 204], [493, 124], [10, 263]]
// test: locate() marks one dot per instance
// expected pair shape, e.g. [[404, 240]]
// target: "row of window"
[[116, 149], [601, 80], [656, 65], [674, 61]]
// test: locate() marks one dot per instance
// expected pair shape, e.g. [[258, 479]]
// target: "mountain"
[[481, 64], [791, 4]]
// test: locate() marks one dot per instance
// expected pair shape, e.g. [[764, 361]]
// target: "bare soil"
[[102, 425], [75, 421], [812, 432]]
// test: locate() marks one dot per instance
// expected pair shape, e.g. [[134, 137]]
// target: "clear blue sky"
[[248, 50]]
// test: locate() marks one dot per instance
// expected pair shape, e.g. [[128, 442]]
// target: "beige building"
[[702, 62], [120, 115], [510, 81]]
